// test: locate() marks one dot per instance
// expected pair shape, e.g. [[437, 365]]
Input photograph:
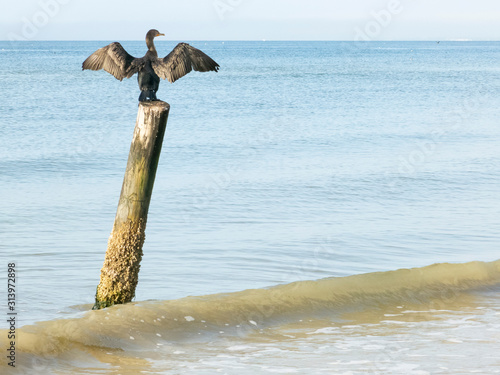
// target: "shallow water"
[[297, 161], [394, 322]]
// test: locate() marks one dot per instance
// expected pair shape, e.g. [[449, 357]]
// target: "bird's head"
[[153, 33]]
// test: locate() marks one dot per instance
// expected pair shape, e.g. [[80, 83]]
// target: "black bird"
[[115, 60]]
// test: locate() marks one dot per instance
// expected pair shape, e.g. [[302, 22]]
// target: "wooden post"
[[120, 272]]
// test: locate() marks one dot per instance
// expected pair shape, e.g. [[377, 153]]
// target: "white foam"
[[339, 362], [240, 347], [393, 322], [281, 370], [323, 330]]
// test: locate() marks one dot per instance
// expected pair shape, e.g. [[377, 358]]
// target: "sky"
[[252, 19]]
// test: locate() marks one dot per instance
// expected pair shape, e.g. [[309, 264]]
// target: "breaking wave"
[[142, 325]]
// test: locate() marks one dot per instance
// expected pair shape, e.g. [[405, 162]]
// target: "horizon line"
[[261, 40]]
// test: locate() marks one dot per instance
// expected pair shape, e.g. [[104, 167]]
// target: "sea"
[[319, 208]]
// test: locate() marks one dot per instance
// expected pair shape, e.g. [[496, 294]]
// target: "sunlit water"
[[297, 161]]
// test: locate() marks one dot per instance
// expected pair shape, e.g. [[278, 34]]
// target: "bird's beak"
[[160, 34]]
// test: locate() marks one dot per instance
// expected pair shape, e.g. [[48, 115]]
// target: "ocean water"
[[319, 208]]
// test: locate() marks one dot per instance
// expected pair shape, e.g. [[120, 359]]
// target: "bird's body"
[[148, 82], [115, 60]]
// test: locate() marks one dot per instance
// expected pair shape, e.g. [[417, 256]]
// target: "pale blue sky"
[[252, 19]]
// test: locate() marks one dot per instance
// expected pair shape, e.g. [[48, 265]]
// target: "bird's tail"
[[147, 95]]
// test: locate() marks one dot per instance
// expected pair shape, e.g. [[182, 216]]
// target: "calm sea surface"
[[297, 161]]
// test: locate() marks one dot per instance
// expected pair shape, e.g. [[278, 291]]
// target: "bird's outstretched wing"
[[181, 61], [114, 59]]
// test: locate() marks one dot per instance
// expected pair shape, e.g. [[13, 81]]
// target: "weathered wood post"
[[120, 272]]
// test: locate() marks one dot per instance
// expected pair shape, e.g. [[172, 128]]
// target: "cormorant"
[[115, 60]]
